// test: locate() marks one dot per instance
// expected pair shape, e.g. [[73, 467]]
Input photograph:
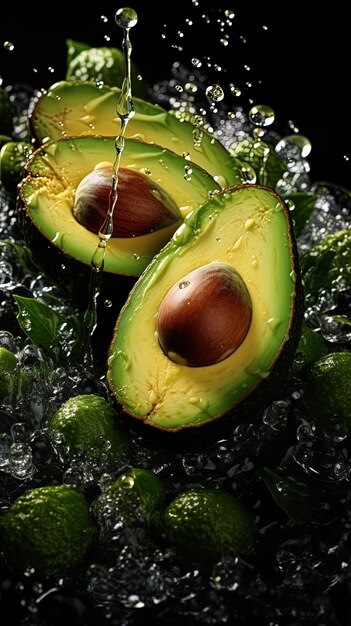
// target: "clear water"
[[295, 574]]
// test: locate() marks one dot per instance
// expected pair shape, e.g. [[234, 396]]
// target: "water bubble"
[[103, 18], [196, 62], [51, 69], [229, 14], [8, 45], [295, 147], [236, 91], [126, 17], [108, 304], [224, 42], [336, 328], [20, 460], [214, 93], [261, 115], [107, 37]]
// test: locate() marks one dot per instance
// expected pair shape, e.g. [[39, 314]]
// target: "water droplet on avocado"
[[183, 284]]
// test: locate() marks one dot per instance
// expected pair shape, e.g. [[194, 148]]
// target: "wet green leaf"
[[294, 498], [40, 322], [268, 165], [304, 204]]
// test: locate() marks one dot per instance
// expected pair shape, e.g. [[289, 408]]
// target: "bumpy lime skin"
[[133, 498], [86, 425], [12, 379], [328, 389], [49, 529], [203, 525]]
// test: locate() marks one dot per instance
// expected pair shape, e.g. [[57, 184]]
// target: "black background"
[[299, 64]]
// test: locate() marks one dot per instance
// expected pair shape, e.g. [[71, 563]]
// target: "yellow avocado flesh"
[[249, 228], [78, 108], [55, 171]]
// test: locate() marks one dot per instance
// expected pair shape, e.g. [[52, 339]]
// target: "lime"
[[328, 387], [202, 525], [86, 425], [12, 380], [311, 347], [101, 65], [49, 529], [133, 498], [7, 112], [13, 158]]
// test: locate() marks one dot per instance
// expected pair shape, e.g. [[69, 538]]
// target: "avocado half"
[[47, 197], [249, 228], [81, 108]]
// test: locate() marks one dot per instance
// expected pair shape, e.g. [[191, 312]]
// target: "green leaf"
[[40, 322], [294, 498], [22, 254], [262, 157], [304, 204]]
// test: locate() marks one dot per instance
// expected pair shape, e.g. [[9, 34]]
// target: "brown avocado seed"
[[205, 316], [142, 205]]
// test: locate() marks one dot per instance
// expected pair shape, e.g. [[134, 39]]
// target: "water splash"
[[126, 18]]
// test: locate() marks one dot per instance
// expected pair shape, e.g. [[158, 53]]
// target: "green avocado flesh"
[[81, 108], [247, 227], [47, 196]]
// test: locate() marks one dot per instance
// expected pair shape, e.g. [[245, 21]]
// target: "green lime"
[[12, 380], [13, 158], [202, 525], [133, 497], [49, 529], [328, 387], [105, 65], [311, 347], [87, 426], [6, 113]]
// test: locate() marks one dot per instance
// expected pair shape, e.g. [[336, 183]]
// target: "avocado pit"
[[205, 316], [142, 205]]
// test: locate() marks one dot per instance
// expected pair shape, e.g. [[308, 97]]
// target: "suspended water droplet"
[[51, 69], [229, 14], [8, 45], [214, 93], [108, 304], [224, 42], [261, 115], [190, 87], [196, 62], [103, 18], [295, 147], [107, 37], [236, 91], [126, 17]]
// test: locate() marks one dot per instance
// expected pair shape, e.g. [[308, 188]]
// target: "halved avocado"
[[245, 231], [81, 108], [47, 197]]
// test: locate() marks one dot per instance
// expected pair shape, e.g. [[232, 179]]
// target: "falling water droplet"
[[8, 45], [294, 146], [214, 93], [196, 62], [261, 115], [126, 17]]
